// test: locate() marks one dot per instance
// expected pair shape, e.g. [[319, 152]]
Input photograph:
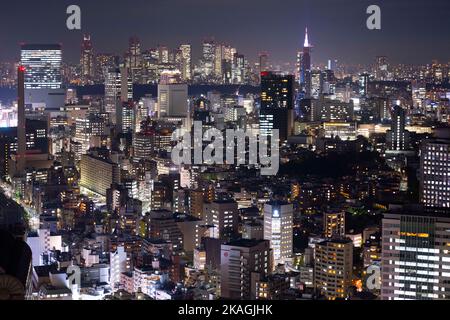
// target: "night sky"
[[413, 31]]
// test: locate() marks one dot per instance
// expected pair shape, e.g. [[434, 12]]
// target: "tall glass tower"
[[43, 65], [305, 66]]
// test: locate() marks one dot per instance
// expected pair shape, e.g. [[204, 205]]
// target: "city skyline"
[[141, 159], [337, 30]]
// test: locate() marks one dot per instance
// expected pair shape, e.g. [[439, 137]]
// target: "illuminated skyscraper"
[[363, 83], [397, 138], [218, 57], [87, 60], [277, 100], [88, 127], [415, 259], [305, 66], [143, 143], [43, 65], [126, 115], [316, 84], [43, 79], [208, 57], [163, 55], [134, 59], [434, 169], [228, 54], [186, 62], [278, 226], [239, 69], [118, 88]]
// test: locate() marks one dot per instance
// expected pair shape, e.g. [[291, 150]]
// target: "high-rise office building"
[[239, 69], [85, 128], [208, 58], [87, 60], [43, 65], [415, 263], [333, 268], [134, 60], [397, 138], [98, 174], [242, 262], [228, 55], [218, 57], [278, 226], [186, 62], [434, 170], [277, 100], [316, 83], [113, 86], [118, 89], [143, 145], [163, 54], [125, 117], [172, 99], [43, 79], [364, 79]]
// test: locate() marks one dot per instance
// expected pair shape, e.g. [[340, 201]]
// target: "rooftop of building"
[[33, 46], [49, 289], [224, 201], [336, 240], [418, 210], [277, 203], [246, 243], [183, 217], [254, 223]]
